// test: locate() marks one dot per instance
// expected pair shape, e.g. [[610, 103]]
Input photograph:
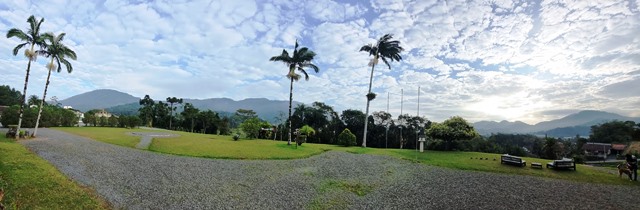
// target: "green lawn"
[[30, 182], [214, 146], [117, 136]]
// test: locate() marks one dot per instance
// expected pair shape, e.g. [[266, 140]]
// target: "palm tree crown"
[[301, 59], [32, 37], [385, 48], [58, 51]]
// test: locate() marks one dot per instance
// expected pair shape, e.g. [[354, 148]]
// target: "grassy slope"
[[32, 183], [117, 136], [213, 146]]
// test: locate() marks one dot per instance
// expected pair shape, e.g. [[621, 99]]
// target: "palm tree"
[[33, 100], [33, 38], [301, 59], [388, 51], [58, 53], [171, 101]]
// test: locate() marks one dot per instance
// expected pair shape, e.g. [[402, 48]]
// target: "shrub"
[[346, 138], [236, 137]]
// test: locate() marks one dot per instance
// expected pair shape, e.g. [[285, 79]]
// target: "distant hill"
[[99, 99], [577, 123], [124, 104]]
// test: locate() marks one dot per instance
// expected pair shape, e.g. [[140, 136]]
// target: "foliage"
[[171, 101], [52, 116], [236, 137], [30, 182], [307, 130], [146, 111], [251, 127], [346, 138], [614, 132], [241, 115], [453, 129], [189, 113], [9, 96]]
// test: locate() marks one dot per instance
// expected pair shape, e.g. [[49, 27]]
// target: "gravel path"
[[146, 137], [137, 179]]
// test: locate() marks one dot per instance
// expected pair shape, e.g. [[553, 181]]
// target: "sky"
[[482, 60]]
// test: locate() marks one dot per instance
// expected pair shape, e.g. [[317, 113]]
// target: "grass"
[[117, 136], [30, 182], [214, 146]]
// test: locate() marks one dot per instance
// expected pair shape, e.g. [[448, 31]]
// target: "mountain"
[[577, 123], [121, 103], [98, 99]]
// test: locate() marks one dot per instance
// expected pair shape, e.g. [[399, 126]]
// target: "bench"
[[536, 165], [514, 160], [565, 163]]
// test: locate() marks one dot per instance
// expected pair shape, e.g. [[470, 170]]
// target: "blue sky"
[[482, 60]]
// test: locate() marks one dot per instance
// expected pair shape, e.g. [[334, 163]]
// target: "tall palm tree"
[[301, 59], [33, 38], [58, 53], [388, 50]]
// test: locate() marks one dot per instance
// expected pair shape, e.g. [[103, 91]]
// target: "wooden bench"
[[565, 163], [514, 160], [536, 165]]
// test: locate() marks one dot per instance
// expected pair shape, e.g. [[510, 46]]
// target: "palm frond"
[[67, 64], [386, 62], [306, 76], [313, 66], [17, 48], [284, 57], [14, 32]]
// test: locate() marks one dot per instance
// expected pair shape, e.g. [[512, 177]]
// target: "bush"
[[236, 137], [346, 138], [579, 158]]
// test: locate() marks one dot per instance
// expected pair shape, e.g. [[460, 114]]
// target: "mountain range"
[[122, 103], [574, 124]]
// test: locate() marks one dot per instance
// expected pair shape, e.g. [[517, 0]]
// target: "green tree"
[[58, 53], [33, 38], [613, 132], [300, 60], [451, 130], [90, 118], [146, 111], [388, 51], [190, 113], [346, 138], [307, 131], [251, 127], [113, 121], [33, 100], [551, 149], [9, 96], [171, 101], [241, 115]]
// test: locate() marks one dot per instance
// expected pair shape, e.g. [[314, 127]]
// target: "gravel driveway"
[[137, 179]]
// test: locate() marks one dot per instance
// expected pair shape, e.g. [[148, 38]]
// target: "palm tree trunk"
[[24, 93], [44, 96], [290, 101], [366, 115]]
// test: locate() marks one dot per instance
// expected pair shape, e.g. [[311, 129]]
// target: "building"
[[103, 113], [597, 149]]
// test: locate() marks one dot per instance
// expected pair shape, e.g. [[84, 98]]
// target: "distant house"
[[103, 113], [597, 149], [617, 148]]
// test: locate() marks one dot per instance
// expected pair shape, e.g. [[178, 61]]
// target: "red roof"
[[618, 146]]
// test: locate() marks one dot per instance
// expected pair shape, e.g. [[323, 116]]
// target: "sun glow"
[[518, 106]]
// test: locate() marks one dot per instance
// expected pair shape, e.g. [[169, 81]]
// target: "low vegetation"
[[30, 182], [216, 146]]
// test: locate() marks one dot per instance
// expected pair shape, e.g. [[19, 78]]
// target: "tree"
[[551, 149], [301, 59], [33, 100], [171, 101], [58, 53], [353, 120], [33, 38], [146, 111], [251, 127], [241, 115], [613, 132], [9, 96], [190, 113], [451, 130], [346, 138], [90, 118], [307, 131], [388, 51]]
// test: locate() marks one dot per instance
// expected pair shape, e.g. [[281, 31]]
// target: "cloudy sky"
[[482, 60]]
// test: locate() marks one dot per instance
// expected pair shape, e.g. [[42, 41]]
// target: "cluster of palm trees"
[[386, 49], [50, 46]]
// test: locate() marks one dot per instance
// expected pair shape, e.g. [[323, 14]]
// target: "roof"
[[618, 146], [596, 146]]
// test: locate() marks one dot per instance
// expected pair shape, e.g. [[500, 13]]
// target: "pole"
[[418, 101], [401, 104], [386, 132]]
